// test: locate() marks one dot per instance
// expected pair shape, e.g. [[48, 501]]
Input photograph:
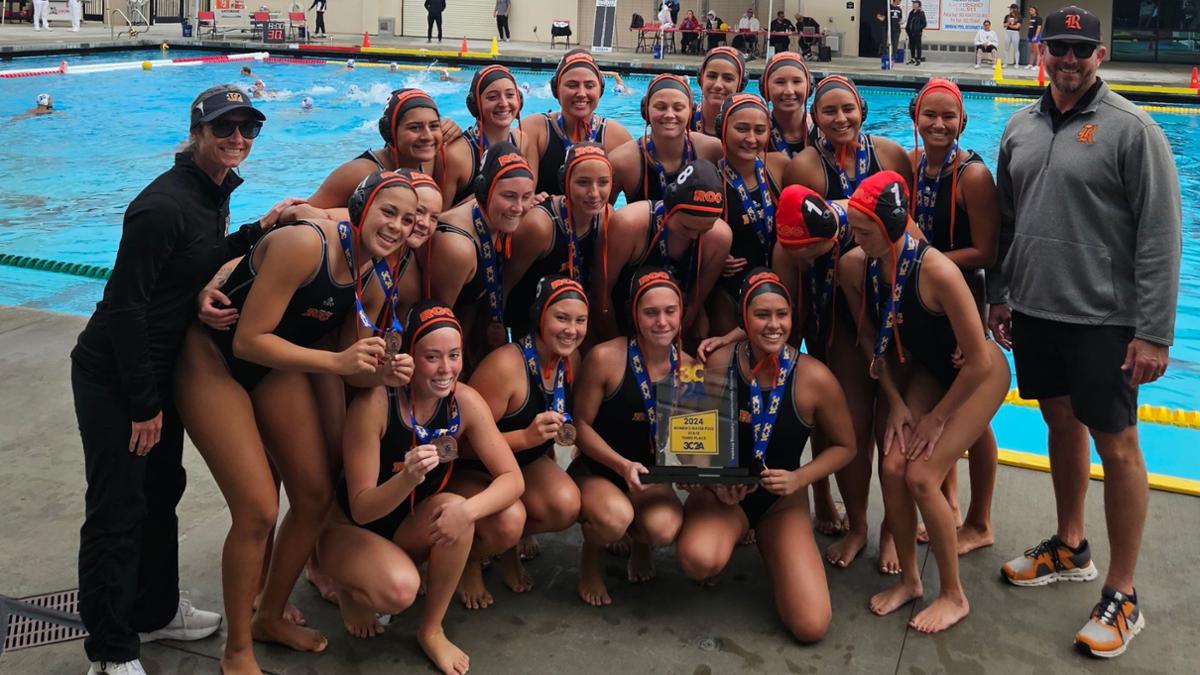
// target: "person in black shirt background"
[[895, 20], [914, 27], [173, 240], [780, 24], [435, 9]]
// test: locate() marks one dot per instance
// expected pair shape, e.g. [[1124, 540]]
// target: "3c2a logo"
[[691, 374]]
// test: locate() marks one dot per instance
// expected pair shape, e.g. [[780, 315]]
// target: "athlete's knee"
[[894, 468], [314, 504], [561, 505], [503, 530], [700, 560], [661, 527], [1119, 450], [610, 520], [922, 483], [808, 627], [255, 519], [397, 592]]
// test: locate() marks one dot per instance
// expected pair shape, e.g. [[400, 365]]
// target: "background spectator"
[[914, 27], [319, 5], [501, 14], [806, 44], [780, 24], [1012, 35], [435, 9], [689, 38], [895, 21], [674, 7], [713, 23], [747, 38], [986, 42]]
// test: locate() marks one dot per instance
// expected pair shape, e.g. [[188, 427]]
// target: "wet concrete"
[[669, 625]]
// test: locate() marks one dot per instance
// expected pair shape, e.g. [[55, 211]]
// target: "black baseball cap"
[[221, 99], [1072, 24]]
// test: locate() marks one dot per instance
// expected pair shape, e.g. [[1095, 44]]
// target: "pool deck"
[[20, 38], [669, 625]]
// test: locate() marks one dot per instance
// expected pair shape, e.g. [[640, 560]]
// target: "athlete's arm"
[[530, 242], [335, 191], [599, 378], [507, 483], [805, 169], [366, 422]]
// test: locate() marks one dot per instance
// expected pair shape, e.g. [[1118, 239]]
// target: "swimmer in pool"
[[306, 103], [45, 106]]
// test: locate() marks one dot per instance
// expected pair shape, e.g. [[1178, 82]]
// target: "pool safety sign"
[[606, 19], [959, 15]]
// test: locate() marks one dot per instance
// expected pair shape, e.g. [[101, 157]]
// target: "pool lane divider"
[[1176, 109], [1139, 88], [66, 68], [1157, 481]]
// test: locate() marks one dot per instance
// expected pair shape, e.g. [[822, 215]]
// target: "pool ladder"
[[135, 21]]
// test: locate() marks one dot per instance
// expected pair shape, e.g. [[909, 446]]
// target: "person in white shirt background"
[[986, 42], [748, 22], [664, 16], [76, 9], [41, 14]]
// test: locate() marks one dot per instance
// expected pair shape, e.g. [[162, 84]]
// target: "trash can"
[[186, 27], [900, 55]]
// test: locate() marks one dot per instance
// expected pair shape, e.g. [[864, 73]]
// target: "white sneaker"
[[976, 66], [189, 624], [133, 667]]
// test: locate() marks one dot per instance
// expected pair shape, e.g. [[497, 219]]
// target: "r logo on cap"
[[1073, 22]]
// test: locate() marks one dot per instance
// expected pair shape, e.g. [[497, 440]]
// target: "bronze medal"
[[566, 435], [392, 341], [447, 448]]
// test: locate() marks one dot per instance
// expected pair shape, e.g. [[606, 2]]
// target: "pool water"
[[69, 176]]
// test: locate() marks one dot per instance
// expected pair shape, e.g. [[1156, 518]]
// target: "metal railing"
[[136, 21]]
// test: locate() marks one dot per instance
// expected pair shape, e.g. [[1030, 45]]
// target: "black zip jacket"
[[173, 241]]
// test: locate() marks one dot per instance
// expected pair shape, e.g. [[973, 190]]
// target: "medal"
[[391, 343], [447, 448], [566, 434]]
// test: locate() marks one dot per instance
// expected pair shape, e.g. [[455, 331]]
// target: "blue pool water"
[[68, 178]]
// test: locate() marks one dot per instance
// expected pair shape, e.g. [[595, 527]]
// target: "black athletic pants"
[[914, 46], [320, 23], [129, 542], [502, 26], [434, 18]]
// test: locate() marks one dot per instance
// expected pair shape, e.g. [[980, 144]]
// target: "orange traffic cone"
[[1195, 84], [463, 50], [1041, 73], [366, 39]]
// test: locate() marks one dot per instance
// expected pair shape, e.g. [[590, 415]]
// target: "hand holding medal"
[[419, 461]]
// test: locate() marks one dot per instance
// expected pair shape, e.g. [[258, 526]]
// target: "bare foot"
[[445, 656], [515, 576], [750, 539], [359, 620], [286, 633], [240, 663], [641, 563], [528, 548], [889, 560], [290, 612], [886, 602], [592, 588], [471, 591], [942, 613], [971, 538], [829, 516], [620, 548], [321, 581], [842, 553]]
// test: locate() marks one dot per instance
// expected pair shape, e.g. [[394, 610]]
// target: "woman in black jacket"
[[914, 27], [173, 240]]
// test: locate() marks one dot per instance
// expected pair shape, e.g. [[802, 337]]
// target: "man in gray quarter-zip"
[[1085, 296]]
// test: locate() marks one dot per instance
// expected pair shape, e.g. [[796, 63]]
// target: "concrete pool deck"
[[19, 39], [669, 625]]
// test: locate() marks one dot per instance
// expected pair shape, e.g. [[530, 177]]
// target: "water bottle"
[[658, 50], [885, 62]]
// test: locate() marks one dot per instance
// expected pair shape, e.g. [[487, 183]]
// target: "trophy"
[[695, 425]]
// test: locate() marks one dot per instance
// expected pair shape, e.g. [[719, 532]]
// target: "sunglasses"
[[224, 128], [1083, 50]]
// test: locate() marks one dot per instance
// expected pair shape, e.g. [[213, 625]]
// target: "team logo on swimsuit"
[[234, 97], [1073, 22], [434, 312], [318, 314], [1086, 134]]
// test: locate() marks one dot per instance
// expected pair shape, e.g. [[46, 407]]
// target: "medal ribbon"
[[659, 224], [649, 397], [689, 155], [763, 414], [423, 436], [476, 137], [761, 219], [558, 401], [927, 192], [568, 142], [821, 275], [781, 144], [385, 280], [862, 162], [888, 308], [493, 281], [575, 259]]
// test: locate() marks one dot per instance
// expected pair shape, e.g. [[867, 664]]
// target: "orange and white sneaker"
[[1114, 623], [1048, 562]]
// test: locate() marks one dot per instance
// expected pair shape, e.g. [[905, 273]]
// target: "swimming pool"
[[70, 176]]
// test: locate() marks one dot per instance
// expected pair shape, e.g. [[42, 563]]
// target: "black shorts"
[[1084, 362]]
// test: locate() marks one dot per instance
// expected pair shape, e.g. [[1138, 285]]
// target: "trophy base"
[[698, 475]]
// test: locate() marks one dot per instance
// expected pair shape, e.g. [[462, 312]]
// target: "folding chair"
[[560, 28], [297, 20], [258, 24], [206, 19]]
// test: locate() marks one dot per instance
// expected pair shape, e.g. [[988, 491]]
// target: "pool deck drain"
[[27, 623], [668, 625]]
